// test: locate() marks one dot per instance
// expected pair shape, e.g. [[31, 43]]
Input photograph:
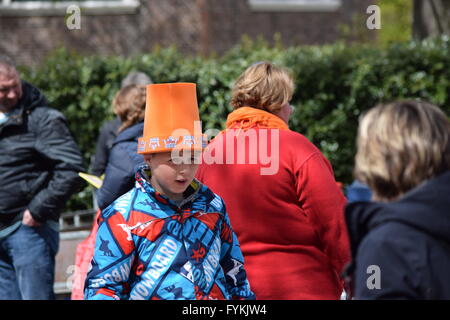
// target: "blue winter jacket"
[[401, 249], [148, 247], [358, 191], [122, 165]]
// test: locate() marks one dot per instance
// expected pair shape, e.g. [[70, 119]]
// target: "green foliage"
[[396, 21], [334, 85]]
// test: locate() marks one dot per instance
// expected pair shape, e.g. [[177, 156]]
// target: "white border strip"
[[295, 5], [49, 8]]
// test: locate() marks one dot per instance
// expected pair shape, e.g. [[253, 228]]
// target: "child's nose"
[[182, 168]]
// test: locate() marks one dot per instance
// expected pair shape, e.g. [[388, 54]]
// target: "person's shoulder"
[[296, 144], [45, 113], [42, 118], [124, 148], [130, 134], [399, 227], [385, 250], [290, 137], [298, 148], [392, 237], [392, 249], [110, 128], [112, 125]]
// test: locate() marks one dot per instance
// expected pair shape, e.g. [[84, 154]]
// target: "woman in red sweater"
[[280, 191]]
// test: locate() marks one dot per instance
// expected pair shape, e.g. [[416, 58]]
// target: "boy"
[[170, 236]]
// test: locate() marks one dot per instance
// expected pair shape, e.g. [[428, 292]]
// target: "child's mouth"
[[181, 181]]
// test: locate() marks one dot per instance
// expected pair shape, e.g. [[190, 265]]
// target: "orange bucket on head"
[[171, 119]]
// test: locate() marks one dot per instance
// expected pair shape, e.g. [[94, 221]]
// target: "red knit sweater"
[[290, 225]]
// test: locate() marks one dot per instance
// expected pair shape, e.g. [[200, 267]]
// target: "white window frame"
[[52, 8], [295, 5]]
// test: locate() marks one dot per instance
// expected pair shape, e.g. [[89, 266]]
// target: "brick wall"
[[195, 26]]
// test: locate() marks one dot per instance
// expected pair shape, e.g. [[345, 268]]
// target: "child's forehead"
[[170, 155], [157, 155]]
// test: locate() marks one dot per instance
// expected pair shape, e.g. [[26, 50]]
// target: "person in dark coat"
[[123, 162], [110, 130], [39, 167], [401, 242], [108, 133]]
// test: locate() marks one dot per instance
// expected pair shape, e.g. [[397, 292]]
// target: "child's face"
[[168, 178]]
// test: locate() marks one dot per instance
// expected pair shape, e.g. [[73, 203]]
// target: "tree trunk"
[[431, 18]]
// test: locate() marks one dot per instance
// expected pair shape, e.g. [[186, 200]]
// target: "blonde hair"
[[400, 145], [263, 86], [129, 105]]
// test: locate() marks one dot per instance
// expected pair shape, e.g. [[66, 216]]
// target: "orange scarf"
[[246, 117]]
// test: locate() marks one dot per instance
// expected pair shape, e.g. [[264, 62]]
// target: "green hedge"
[[334, 84]]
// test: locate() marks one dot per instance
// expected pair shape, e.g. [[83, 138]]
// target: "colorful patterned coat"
[[148, 247]]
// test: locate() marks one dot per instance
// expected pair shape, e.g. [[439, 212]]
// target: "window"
[[52, 7], [294, 5]]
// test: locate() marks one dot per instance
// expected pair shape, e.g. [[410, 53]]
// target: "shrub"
[[334, 85]]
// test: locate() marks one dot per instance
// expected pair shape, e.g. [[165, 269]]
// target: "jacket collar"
[[424, 208], [143, 176], [31, 98], [247, 117], [131, 133]]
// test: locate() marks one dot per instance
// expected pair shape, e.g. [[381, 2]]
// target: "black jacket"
[[122, 166], [108, 133], [39, 161], [409, 240]]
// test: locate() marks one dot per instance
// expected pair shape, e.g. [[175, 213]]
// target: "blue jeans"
[[27, 263]]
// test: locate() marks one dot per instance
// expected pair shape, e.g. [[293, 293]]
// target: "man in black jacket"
[[39, 165]]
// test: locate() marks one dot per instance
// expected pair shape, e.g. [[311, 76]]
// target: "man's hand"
[[28, 219]]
